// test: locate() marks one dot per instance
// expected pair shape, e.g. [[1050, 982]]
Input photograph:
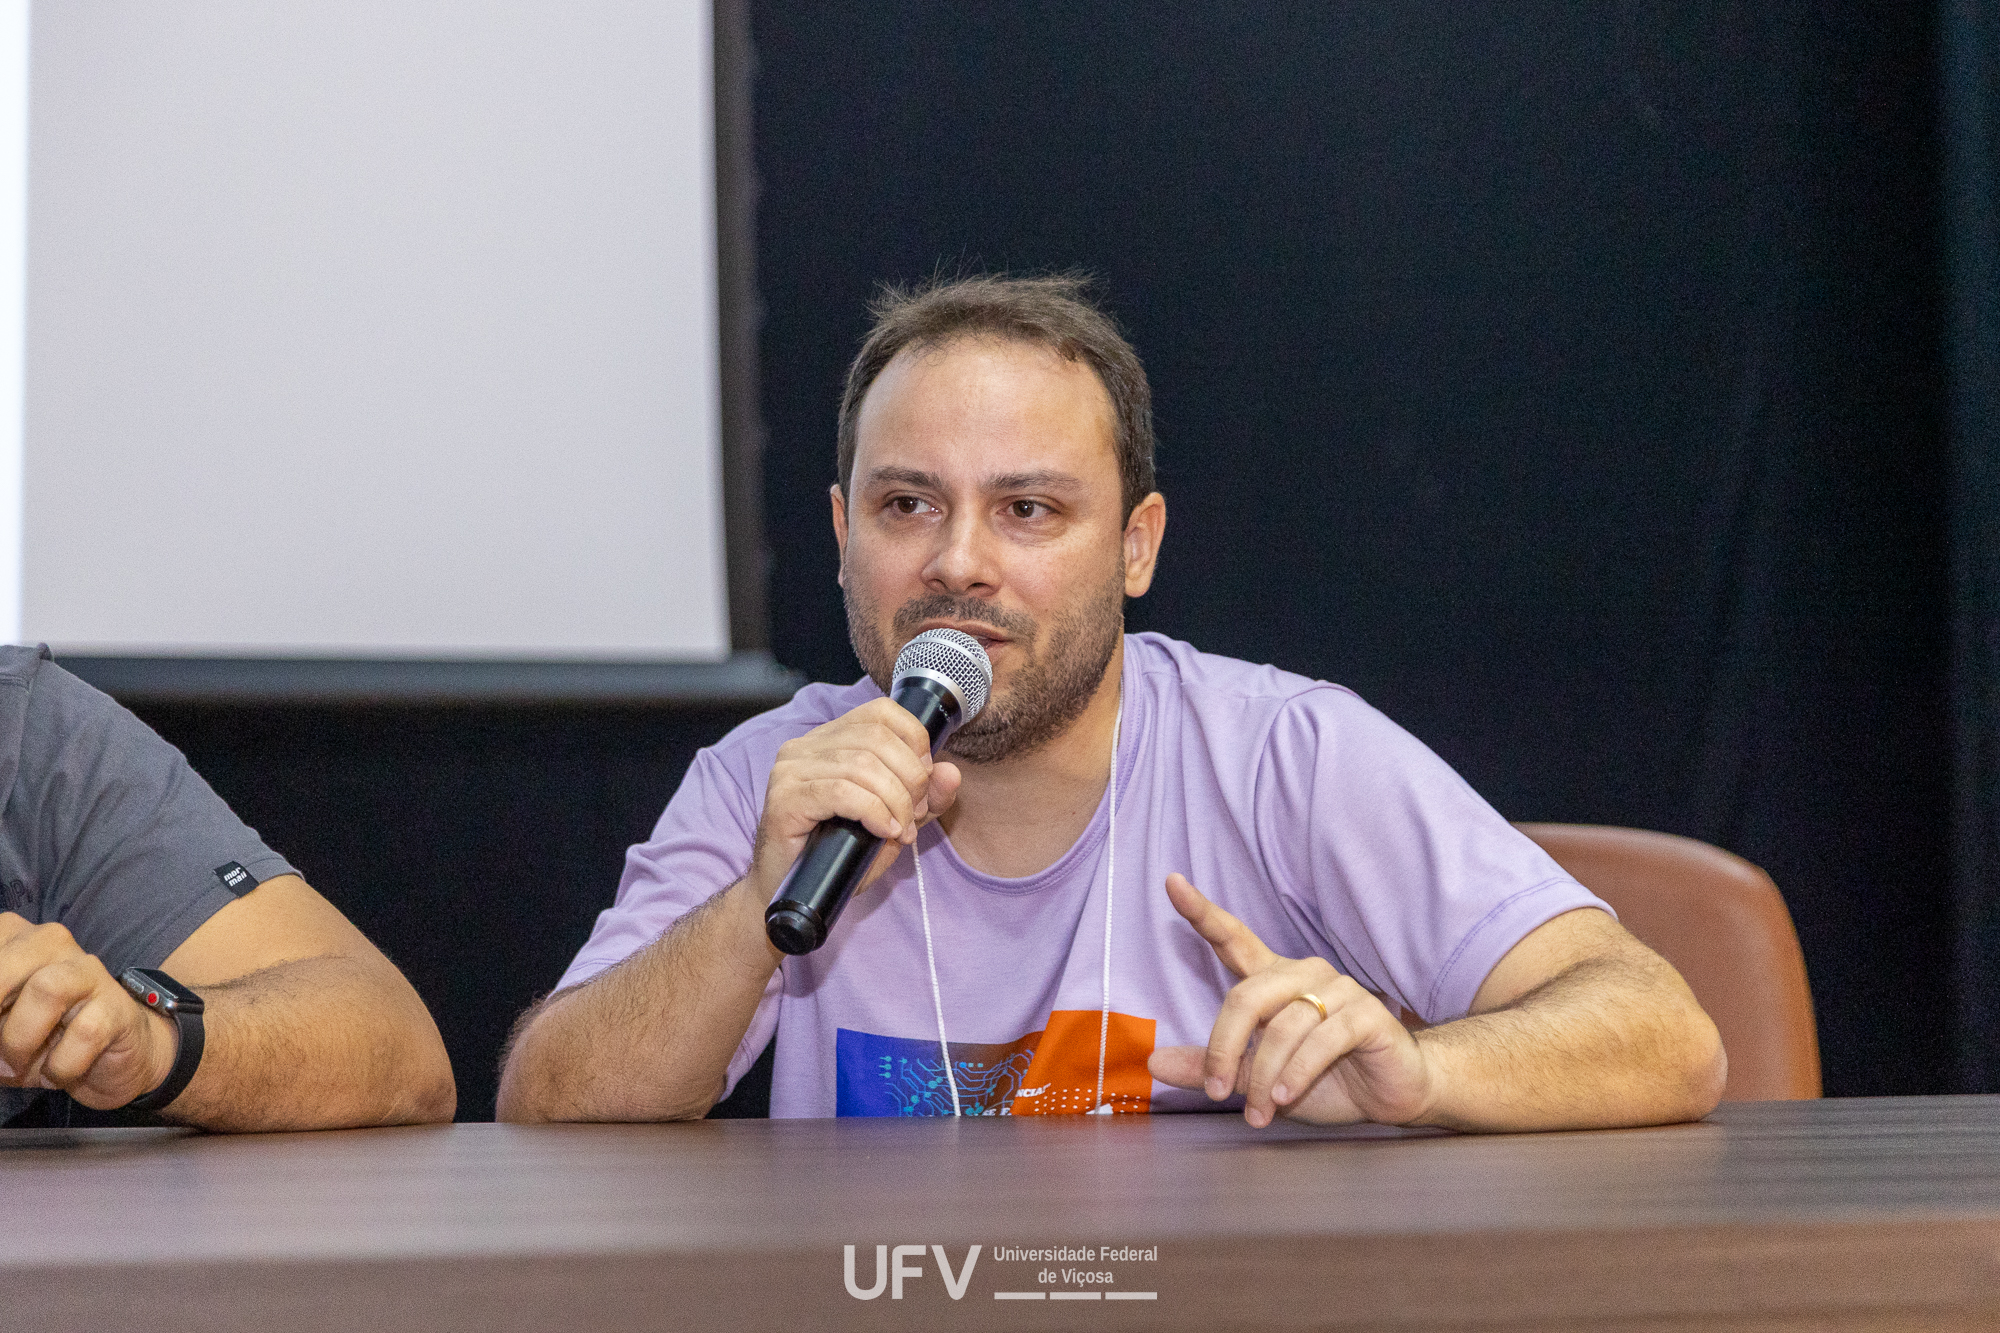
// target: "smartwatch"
[[163, 995]]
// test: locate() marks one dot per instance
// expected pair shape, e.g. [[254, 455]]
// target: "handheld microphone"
[[942, 677]]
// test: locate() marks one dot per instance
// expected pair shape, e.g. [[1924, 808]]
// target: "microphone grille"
[[958, 658]]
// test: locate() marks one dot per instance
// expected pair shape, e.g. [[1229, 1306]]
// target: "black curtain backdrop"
[[1971, 47], [1565, 378], [475, 846], [1569, 379]]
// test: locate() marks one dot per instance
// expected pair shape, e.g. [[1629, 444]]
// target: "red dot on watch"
[[152, 998]]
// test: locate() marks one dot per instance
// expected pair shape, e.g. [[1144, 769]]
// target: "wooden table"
[[1836, 1214]]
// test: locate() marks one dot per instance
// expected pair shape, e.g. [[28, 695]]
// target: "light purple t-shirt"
[[1302, 811]]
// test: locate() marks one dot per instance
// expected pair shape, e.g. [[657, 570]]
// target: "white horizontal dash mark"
[[1020, 1295], [1131, 1295], [1076, 1295]]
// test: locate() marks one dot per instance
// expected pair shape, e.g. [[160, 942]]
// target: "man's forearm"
[[317, 1043], [1609, 1042], [651, 1038]]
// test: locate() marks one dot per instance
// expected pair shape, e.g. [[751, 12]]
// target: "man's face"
[[986, 498]]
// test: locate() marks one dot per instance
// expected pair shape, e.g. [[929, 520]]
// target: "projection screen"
[[381, 329]]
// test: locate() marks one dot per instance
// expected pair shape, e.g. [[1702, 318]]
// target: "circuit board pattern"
[[879, 1075]]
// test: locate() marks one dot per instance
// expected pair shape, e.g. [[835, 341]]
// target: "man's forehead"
[[1000, 414]]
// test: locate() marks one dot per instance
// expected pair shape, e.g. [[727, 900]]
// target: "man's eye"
[[1025, 508], [906, 504]]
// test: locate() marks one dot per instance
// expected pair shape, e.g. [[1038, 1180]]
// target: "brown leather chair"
[[1721, 922]]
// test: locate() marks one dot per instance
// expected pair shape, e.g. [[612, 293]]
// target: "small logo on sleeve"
[[235, 878]]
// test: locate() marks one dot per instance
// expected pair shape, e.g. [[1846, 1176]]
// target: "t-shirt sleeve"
[[120, 839], [700, 847], [1413, 881]]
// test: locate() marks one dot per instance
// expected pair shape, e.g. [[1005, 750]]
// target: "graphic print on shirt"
[[1051, 1072]]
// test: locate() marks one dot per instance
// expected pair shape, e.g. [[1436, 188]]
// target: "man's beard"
[[1066, 663]]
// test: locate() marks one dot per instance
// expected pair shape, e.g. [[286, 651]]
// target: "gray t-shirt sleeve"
[[110, 831]]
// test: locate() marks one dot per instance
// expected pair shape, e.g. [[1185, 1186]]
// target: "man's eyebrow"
[[1048, 479], [1045, 479], [905, 476]]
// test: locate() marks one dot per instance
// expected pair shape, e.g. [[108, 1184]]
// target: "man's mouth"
[[987, 637]]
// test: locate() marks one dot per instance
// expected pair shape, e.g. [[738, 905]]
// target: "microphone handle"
[[838, 852], [836, 855]]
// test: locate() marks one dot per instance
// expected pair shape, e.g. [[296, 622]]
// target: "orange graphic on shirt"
[[1062, 1077]]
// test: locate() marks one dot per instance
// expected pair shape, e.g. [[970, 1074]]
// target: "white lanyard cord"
[[937, 997], [1110, 881], [1110, 868]]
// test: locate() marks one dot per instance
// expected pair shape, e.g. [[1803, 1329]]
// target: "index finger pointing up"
[[1234, 943]]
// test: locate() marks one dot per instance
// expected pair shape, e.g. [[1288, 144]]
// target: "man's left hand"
[[1272, 1046], [67, 1024]]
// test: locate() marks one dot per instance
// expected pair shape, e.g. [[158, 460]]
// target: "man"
[[1035, 941], [261, 1007]]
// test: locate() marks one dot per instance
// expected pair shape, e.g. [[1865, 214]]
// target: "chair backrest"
[[1722, 924]]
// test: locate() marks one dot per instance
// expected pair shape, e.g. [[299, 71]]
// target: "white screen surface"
[[377, 328]]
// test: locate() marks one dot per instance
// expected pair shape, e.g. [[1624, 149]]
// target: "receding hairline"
[[937, 346]]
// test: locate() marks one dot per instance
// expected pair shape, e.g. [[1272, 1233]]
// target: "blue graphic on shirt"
[[876, 1075]]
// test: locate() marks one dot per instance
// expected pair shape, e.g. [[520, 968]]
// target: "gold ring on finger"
[[1315, 1002]]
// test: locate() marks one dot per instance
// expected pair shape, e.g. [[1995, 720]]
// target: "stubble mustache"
[[964, 610]]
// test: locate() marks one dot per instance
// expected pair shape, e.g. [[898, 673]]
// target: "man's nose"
[[964, 560]]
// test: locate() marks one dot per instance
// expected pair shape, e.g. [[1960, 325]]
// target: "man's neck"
[[1017, 817]]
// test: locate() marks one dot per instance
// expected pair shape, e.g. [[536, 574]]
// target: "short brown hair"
[[1052, 311]]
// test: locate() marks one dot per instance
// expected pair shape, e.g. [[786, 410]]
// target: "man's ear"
[[839, 529], [1144, 531]]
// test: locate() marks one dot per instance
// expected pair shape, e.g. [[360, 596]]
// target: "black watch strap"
[[162, 994]]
